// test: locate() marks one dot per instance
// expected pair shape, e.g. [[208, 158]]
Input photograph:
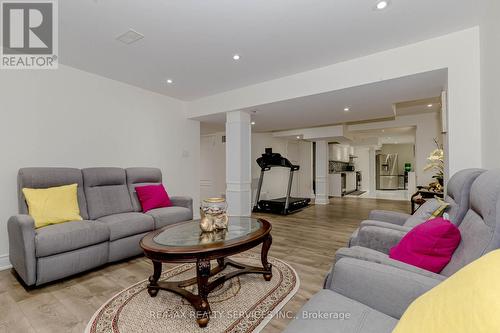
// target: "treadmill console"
[[270, 159]]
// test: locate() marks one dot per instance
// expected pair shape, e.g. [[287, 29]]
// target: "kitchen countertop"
[[338, 173]]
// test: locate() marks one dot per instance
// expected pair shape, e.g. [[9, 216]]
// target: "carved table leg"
[[263, 256], [153, 279], [221, 262], [203, 273]]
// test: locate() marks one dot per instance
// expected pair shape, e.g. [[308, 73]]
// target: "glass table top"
[[190, 234]]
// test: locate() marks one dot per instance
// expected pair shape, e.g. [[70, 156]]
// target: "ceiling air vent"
[[130, 37]]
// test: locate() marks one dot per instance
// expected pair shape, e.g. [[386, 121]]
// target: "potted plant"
[[436, 163]]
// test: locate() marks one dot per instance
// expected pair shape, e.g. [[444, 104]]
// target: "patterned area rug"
[[243, 304]]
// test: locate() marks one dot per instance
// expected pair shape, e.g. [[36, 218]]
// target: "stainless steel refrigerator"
[[387, 177]]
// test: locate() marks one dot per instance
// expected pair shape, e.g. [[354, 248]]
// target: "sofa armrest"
[[362, 253], [388, 216], [21, 229], [380, 239], [387, 225], [386, 289], [181, 201]]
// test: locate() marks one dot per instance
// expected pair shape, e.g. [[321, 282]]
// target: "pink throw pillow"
[[153, 196], [429, 245]]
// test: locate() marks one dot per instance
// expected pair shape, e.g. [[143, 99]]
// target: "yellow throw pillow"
[[468, 301], [53, 205]]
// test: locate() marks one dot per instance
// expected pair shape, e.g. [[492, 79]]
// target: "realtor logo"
[[29, 35]]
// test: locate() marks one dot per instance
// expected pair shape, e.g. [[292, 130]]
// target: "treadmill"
[[282, 206]]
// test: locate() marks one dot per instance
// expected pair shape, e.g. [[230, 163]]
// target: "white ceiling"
[[419, 106], [367, 102], [192, 41]]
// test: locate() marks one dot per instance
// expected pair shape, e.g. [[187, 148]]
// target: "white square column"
[[238, 163], [322, 173]]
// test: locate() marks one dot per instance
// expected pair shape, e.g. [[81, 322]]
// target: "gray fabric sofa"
[[384, 229], [374, 291], [112, 225]]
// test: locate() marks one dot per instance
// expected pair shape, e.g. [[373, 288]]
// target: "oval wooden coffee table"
[[184, 242]]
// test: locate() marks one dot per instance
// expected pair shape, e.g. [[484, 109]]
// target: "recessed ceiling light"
[[252, 123], [381, 5], [169, 81], [298, 137], [346, 109], [429, 105], [236, 57]]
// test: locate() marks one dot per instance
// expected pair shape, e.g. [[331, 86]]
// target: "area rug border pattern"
[[185, 267], [281, 304]]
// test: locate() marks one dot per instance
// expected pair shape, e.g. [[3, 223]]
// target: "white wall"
[[212, 166], [362, 163], [68, 117], [276, 179], [406, 154], [305, 181], [458, 52], [490, 84], [427, 128]]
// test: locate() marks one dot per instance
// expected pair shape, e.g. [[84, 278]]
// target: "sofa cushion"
[[106, 192], [170, 215], [69, 236], [353, 241], [50, 177], [429, 245], [138, 177], [152, 197], [332, 306], [127, 224], [53, 205]]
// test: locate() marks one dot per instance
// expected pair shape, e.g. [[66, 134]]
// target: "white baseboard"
[[4, 262]]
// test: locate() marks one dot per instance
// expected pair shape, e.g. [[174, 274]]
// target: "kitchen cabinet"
[[341, 183], [335, 184], [340, 153], [350, 182]]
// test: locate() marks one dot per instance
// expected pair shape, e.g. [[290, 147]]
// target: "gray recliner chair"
[[364, 297], [383, 222], [480, 231], [372, 296]]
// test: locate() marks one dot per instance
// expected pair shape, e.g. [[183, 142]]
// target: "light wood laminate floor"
[[306, 240]]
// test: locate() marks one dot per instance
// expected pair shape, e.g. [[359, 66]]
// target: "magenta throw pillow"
[[429, 245], [153, 196]]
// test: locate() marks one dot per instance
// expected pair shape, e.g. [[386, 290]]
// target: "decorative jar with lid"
[[213, 214]]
